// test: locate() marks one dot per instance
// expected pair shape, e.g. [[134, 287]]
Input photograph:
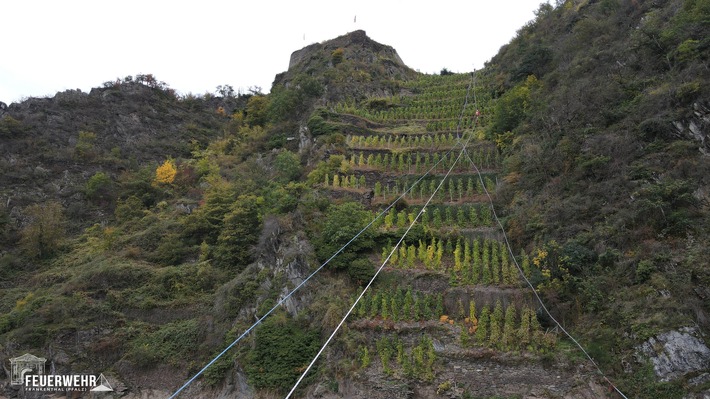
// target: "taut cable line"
[[282, 300], [537, 296], [395, 248]]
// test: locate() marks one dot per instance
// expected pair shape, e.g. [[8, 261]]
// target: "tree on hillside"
[[284, 103], [513, 106], [257, 107], [165, 173], [206, 223], [288, 166], [239, 233], [42, 236]]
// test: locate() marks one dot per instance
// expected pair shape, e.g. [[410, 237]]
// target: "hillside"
[[142, 233]]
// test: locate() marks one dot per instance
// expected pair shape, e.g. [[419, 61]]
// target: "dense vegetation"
[[158, 226], [595, 160]]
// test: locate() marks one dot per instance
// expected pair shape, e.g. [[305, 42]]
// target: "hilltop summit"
[[353, 41], [349, 65]]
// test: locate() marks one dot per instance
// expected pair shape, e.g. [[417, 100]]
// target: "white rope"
[[520, 270], [357, 300], [282, 300], [395, 248]]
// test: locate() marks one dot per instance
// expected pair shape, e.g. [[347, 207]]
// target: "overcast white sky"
[[193, 46]]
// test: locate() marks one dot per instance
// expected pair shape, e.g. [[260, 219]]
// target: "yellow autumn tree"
[[165, 173]]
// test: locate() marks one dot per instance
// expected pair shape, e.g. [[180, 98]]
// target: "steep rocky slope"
[[605, 173], [51, 147], [596, 158]]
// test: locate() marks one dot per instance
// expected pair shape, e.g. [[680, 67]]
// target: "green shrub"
[[231, 297], [11, 127], [98, 186], [285, 103], [110, 273], [644, 269], [361, 270], [336, 57], [654, 128], [378, 104], [643, 383], [219, 369], [24, 308], [688, 92], [284, 199], [171, 250], [130, 208], [335, 139], [84, 148], [594, 167], [688, 50], [282, 349], [310, 86], [10, 265], [318, 126], [139, 184], [172, 342], [341, 224]]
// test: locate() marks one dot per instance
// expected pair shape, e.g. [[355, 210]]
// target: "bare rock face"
[[676, 353], [697, 127], [700, 395]]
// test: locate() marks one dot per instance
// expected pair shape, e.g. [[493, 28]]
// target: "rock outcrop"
[[696, 127], [363, 67], [357, 38], [677, 353]]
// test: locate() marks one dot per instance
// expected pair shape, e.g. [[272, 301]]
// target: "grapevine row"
[[418, 162], [512, 329], [415, 363], [431, 141], [439, 216], [469, 262], [454, 189]]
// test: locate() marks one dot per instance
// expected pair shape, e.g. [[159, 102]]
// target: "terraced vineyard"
[[450, 289]]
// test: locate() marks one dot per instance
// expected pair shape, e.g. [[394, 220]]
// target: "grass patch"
[[169, 343]]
